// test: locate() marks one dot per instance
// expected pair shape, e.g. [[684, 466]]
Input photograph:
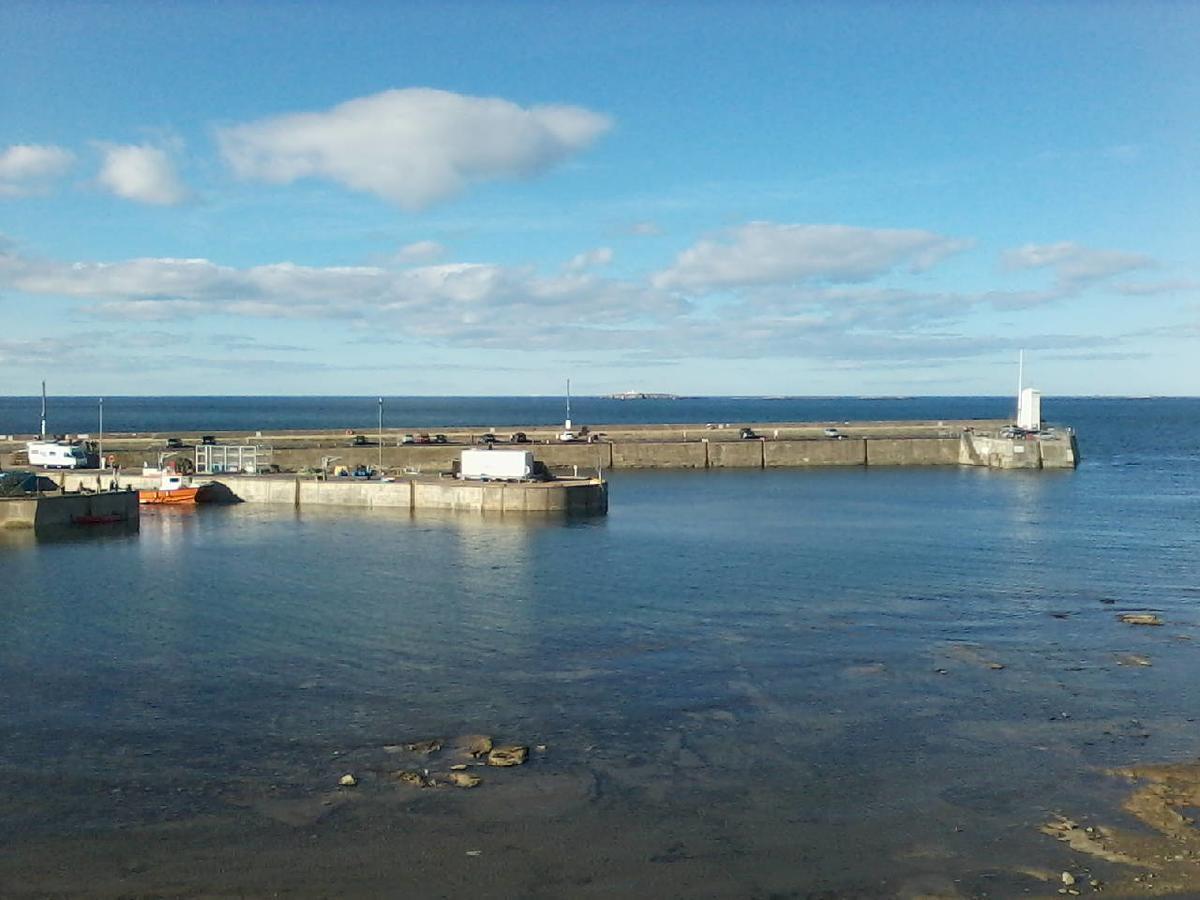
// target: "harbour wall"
[[584, 496], [922, 447], [59, 511]]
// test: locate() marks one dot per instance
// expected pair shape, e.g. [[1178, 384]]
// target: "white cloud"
[[451, 301], [419, 252], [140, 172], [1147, 289], [488, 306], [761, 253], [25, 168], [412, 147], [1073, 264], [589, 259]]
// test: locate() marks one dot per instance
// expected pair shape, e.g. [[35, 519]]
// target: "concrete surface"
[[60, 511]]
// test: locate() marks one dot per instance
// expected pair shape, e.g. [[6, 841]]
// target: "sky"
[[697, 198]]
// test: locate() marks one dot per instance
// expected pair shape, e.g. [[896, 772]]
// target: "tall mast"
[[567, 424], [43, 410]]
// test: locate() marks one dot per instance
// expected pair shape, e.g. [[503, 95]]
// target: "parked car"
[[519, 437], [832, 433], [408, 439], [747, 434], [424, 438], [174, 443], [360, 440], [488, 438], [208, 440], [440, 439]]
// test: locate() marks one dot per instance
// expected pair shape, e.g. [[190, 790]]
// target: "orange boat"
[[170, 492]]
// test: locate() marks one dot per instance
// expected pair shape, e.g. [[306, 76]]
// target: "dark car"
[[440, 439], [360, 440], [519, 437], [488, 438], [174, 443], [208, 440], [747, 434]]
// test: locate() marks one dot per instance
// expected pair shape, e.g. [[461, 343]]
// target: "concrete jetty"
[[68, 510], [987, 443], [569, 497]]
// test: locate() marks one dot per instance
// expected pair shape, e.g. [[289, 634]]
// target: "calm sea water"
[[746, 683], [20, 415]]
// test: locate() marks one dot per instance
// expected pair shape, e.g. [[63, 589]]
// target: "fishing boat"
[[170, 491]]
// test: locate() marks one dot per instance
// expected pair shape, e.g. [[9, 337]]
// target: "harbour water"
[[863, 682]]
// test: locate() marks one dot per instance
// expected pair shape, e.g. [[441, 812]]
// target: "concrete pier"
[[680, 446], [59, 511], [570, 497]]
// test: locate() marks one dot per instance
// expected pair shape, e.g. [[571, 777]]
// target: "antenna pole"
[[101, 446], [43, 410], [568, 422], [380, 437]]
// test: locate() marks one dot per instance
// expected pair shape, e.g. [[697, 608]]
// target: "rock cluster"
[[464, 752]]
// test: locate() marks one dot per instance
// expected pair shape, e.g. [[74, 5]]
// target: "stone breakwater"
[[680, 446]]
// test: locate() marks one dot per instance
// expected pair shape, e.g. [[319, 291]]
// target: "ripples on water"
[[747, 683]]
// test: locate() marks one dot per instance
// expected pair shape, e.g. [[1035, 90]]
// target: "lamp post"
[[380, 437], [100, 445]]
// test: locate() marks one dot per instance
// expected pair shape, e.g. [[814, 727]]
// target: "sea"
[[866, 682]]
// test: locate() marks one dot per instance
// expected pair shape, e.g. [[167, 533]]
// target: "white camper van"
[[56, 455]]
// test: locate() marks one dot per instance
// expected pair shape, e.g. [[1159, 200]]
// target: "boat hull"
[[176, 497]]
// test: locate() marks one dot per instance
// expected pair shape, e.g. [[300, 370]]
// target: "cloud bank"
[[830, 298], [412, 147], [770, 253]]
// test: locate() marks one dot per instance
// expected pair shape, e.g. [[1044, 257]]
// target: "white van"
[[56, 455]]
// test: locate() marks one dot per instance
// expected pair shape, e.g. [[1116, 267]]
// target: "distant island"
[[640, 395]]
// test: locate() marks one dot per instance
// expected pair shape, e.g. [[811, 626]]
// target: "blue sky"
[[703, 198]]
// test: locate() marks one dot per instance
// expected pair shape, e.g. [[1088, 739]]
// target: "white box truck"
[[496, 465]]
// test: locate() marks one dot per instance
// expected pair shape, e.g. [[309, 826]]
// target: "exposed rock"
[[463, 779], [459, 767], [348, 781], [508, 756], [1092, 841], [1140, 619], [413, 777], [424, 747], [476, 745]]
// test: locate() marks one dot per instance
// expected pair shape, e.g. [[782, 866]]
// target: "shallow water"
[[774, 683]]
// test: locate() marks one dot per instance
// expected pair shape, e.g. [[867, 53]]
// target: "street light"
[[380, 437], [100, 446]]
